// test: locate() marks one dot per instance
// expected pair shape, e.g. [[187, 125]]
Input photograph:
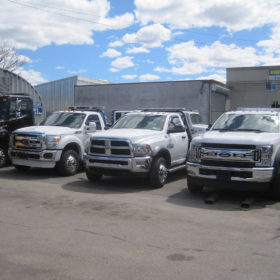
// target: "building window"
[[271, 86]]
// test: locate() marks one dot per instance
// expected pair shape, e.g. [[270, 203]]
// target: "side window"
[[24, 107], [94, 118], [175, 122]]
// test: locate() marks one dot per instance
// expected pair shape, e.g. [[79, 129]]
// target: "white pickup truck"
[[240, 151], [58, 142], [144, 142]]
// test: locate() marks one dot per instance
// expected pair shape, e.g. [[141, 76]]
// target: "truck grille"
[[27, 142], [230, 155], [111, 147]]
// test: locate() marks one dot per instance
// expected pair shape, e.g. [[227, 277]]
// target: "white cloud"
[[76, 72], [151, 36], [116, 44], [110, 53], [138, 50], [232, 14], [59, 67], [33, 24], [149, 77], [123, 62], [114, 70], [187, 58], [32, 76], [129, 77], [220, 78]]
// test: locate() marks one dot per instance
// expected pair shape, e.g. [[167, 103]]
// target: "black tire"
[[21, 168], [3, 157], [275, 184], [69, 163], [194, 188], [158, 173], [93, 176]]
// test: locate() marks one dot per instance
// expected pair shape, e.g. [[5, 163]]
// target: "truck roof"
[[273, 111]]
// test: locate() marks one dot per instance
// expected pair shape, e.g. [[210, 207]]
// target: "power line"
[[41, 8]]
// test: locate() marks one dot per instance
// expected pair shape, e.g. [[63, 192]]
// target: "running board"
[[176, 168]]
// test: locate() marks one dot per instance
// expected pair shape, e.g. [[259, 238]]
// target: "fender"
[[71, 139]]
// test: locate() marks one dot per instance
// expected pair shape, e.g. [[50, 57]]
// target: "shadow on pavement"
[[225, 200]]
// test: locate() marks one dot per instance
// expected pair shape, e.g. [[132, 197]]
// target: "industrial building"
[[59, 94], [13, 83], [254, 86], [209, 97]]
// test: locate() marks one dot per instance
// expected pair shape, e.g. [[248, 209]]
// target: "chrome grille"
[[110, 147], [27, 142], [230, 155]]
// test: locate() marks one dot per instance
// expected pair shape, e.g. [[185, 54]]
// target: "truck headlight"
[[194, 153], [52, 141], [266, 155], [141, 150]]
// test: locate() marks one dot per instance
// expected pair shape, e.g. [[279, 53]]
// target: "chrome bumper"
[[134, 165], [43, 159], [259, 175]]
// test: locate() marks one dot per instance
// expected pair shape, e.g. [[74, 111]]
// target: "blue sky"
[[142, 40]]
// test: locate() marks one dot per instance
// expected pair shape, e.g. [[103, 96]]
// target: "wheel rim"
[[162, 173], [71, 163]]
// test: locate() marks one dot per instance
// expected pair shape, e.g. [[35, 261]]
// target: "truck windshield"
[[247, 122], [3, 108], [141, 121], [67, 119], [196, 118]]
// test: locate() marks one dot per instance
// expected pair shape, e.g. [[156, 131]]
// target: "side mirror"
[[209, 126], [107, 126], [91, 127]]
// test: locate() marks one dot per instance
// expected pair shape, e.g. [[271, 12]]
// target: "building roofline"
[[254, 67]]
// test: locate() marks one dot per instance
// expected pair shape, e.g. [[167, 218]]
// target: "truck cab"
[[16, 111]]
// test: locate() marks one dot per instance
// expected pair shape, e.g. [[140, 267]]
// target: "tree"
[[9, 59]]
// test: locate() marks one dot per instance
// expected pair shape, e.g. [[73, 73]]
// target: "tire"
[[21, 168], [158, 173], [193, 188], [3, 157], [92, 176], [275, 184], [69, 163]]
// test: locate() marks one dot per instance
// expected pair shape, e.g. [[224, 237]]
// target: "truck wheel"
[[3, 157], [92, 176], [275, 184], [193, 188], [21, 168], [159, 172], [69, 163]]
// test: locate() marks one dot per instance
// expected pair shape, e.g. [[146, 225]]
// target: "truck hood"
[[47, 130], [241, 137], [135, 135]]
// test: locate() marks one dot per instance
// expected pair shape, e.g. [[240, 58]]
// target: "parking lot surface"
[[54, 227]]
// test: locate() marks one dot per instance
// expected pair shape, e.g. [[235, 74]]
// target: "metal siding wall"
[[188, 94]]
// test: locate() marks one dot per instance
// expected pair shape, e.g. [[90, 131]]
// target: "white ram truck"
[[147, 142], [58, 142], [240, 151]]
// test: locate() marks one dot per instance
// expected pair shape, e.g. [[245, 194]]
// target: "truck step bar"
[[176, 168]]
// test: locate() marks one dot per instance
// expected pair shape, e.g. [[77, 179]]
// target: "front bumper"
[[257, 174], [133, 165], [42, 159]]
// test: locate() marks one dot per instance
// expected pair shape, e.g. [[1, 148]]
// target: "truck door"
[[178, 141], [99, 123]]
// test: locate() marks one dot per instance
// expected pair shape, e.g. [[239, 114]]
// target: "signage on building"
[[274, 75]]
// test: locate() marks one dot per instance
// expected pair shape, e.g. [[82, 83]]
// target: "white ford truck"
[[58, 142], [148, 142], [240, 151]]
